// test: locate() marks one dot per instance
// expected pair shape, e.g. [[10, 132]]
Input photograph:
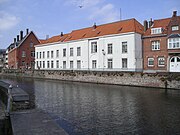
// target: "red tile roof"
[[125, 26], [163, 23]]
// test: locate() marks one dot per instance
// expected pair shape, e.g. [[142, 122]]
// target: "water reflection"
[[91, 109]]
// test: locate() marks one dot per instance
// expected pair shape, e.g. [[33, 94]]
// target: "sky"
[[51, 17]]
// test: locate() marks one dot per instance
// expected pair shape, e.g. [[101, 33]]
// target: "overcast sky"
[[51, 17]]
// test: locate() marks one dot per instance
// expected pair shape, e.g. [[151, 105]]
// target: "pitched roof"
[[163, 23], [125, 26]]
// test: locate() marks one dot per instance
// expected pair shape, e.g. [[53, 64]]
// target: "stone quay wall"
[[158, 80]]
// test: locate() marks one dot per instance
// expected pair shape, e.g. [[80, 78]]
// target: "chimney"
[[94, 26], [21, 35], [150, 23], [62, 34], [14, 41], [174, 13], [47, 37], [27, 31], [17, 38], [145, 25]]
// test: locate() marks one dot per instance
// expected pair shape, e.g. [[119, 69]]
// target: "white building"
[[115, 46]]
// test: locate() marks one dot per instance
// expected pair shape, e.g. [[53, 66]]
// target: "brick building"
[[21, 53], [161, 45]]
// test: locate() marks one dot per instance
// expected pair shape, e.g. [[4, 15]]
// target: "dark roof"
[[174, 36]]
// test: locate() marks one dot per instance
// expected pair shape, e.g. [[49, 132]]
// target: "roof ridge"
[[105, 24]]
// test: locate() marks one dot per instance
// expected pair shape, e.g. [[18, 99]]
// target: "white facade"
[[116, 59]]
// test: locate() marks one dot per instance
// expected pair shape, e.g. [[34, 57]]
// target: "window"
[[155, 45], [71, 51], [43, 64], [174, 28], [93, 47], [150, 62], [57, 64], [57, 53], [110, 63], [48, 65], [23, 63], [161, 61], [23, 54], [43, 55], [52, 64], [40, 55], [109, 49], [47, 54], [71, 64], [32, 54], [52, 53], [78, 64], [37, 64], [64, 64], [94, 63], [124, 62], [124, 47], [31, 44], [40, 64], [37, 55], [78, 51], [174, 43], [64, 52], [156, 30]]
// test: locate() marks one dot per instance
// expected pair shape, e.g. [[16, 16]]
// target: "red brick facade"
[[22, 56], [162, 56]]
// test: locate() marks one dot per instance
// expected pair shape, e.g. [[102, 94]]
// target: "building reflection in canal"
[[82, 108]]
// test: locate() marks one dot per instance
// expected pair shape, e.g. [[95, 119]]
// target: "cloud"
[[98, 11], [7, 21], [106, 13]]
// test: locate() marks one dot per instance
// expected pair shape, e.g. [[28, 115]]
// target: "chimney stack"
[[17, 38], [150, 23], [27, 31], [47, 37], [21, 35], [14, 41], [145, 25], [62, 34], [174, 13], [94, 26]]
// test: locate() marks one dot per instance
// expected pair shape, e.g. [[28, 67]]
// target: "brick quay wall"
[[159, 80]]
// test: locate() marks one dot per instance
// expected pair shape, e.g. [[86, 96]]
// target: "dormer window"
[[156, 30], [174, 28]]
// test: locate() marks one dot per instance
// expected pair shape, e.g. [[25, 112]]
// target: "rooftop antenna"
[[120, 16]]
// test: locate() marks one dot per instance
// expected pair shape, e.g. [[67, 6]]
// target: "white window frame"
[[57, 63], [52, 64], [94, 64], [110, 48], [124, 47], [94, 47], [64, 52], [57, 53], [155, 45], [110, 63], [78, 64], [43, 64], [64, 64], [174, 43], [161, 59], [71, 51], [124, 66], [174, 28], [71, 64], [156, 30], [43, 55], [23, 53], [78, 51], [32, 53], [52, 54], [48, 64], [47, 54], [149, 60]]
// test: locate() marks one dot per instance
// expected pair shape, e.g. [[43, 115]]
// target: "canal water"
[[94, 109]]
